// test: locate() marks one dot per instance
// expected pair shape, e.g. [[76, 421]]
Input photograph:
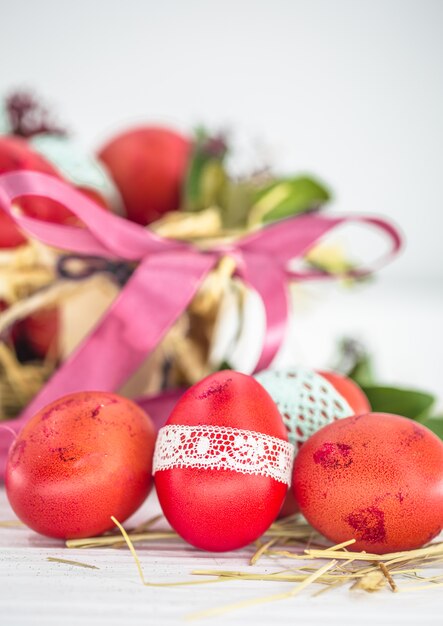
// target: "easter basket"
[[139, 309], [83, 286], [31, 283]]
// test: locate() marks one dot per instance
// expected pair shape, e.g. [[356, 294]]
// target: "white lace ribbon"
[[220, 447]]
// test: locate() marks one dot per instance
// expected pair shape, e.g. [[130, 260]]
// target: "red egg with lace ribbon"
[[222, 462]]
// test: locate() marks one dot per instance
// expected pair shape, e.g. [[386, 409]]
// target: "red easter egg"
[[94, 195], [209, 462], [36, 335], [148, 165], [376, 478], [78, 461], [39, 332], [350, 391]]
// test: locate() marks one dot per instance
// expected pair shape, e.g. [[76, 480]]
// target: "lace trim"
[[306, 400], [219, 447]]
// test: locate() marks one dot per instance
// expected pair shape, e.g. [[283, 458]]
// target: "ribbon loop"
[[268, 279], [105, 234], [380, 224]]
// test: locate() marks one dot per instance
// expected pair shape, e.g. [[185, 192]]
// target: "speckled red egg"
[[377, 478], [78, 461], [349, 390], [219, 508]]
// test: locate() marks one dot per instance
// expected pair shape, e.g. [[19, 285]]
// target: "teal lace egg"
[[305, 399]]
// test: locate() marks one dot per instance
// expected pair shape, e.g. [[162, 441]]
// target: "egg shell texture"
[[81, 459], [217, 509], [350, 391], [377, 478]]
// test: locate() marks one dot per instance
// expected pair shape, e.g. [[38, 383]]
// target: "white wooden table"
[[403, 325], [34, 590]]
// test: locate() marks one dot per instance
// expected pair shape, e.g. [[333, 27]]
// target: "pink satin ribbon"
[[167, 276]]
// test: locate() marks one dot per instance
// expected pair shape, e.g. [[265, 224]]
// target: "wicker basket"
[[29, 282]]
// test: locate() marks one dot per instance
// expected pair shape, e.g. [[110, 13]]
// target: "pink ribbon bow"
[[167, 276]]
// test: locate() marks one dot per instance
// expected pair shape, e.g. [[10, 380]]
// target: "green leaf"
[[435, 424], [288, 196], [362, 372], [206, 178], [407, 402]]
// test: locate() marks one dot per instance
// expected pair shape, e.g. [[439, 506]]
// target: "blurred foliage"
[[355, 362], [206, 179], [407, 402], [260, 198], [285, 197]]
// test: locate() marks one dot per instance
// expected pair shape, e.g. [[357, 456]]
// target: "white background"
[[349, 90]]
